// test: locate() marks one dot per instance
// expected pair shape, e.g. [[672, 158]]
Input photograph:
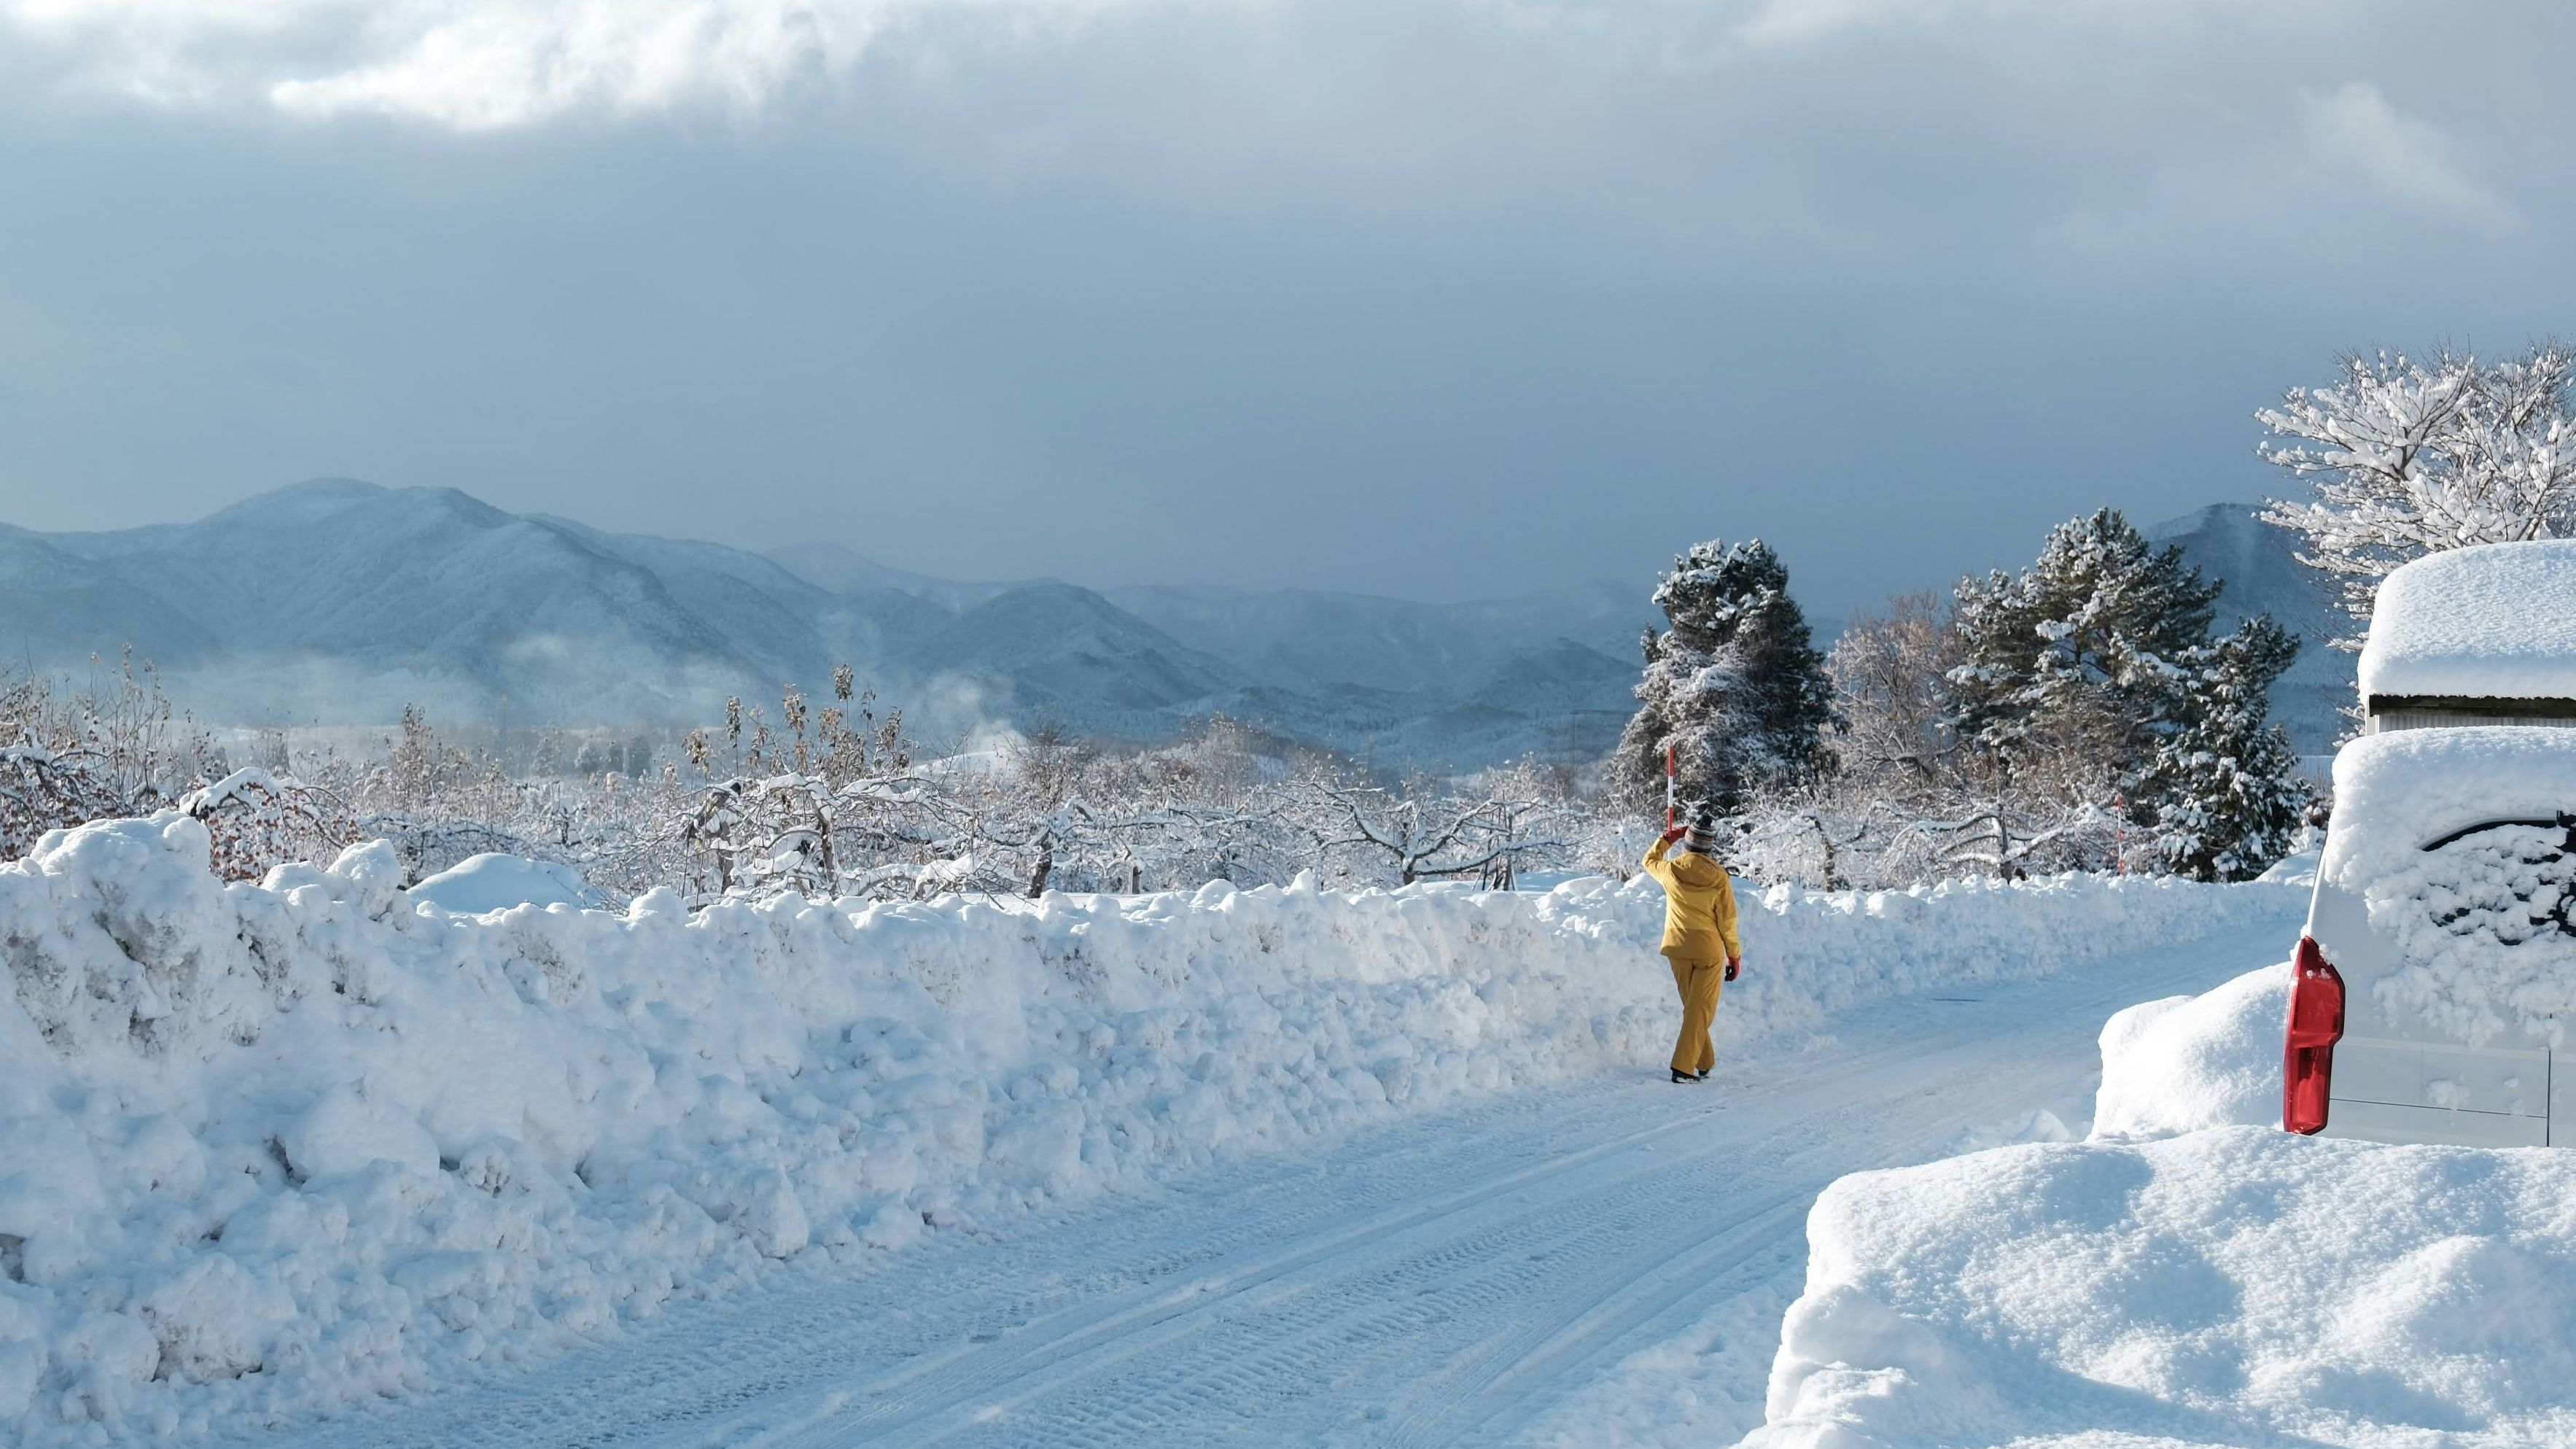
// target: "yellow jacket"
[[1699, 905]]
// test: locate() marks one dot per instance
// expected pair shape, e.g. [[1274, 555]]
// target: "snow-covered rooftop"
[[2496, 621]]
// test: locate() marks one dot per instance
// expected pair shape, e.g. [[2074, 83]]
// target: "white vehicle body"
[[2442, 904], [2437, 977]]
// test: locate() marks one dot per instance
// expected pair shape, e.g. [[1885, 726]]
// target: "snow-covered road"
[[1603, 1262]]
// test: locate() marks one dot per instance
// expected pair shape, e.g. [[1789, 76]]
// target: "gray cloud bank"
[[1441, 299]]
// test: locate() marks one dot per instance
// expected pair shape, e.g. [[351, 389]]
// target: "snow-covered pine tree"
[[2227, 805], [2093, 673], [2076, 669], [1735, 686]]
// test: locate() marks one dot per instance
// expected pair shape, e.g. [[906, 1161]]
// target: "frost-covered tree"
[[2227, 804], [43, 789], [1416, 833], [1736, 687], [1891, 675], [255, 819], [2407, 457], [117, 747], [2073, 671]]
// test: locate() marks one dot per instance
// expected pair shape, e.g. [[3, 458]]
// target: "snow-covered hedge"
[[2235, 1286], [265, 1148]]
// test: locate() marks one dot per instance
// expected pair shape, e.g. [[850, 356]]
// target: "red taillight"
[[2316, 1024]]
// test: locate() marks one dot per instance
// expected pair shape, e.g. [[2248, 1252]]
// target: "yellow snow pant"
[[1699, 982]]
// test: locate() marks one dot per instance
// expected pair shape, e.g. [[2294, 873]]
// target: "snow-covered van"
[[2436, 980]]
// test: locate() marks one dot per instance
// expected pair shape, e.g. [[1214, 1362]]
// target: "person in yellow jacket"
[[1699, 935]]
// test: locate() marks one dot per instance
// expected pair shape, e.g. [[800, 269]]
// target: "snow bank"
[[2238, 1286], [2189, 1062], [265, 1149], [2494, 621]]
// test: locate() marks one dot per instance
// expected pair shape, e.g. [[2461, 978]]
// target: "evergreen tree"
[[1736, 686], [2227, 805], [2085, 658], [2093, 673]]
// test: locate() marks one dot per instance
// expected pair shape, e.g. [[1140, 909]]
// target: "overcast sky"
[[1436, 298]]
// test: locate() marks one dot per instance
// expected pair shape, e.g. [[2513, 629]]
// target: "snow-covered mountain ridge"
[[337, 601]]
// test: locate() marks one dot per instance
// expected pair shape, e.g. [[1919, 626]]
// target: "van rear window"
[[2481, 917]]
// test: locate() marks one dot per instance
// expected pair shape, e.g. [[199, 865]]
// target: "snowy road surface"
[[1602, 1263]]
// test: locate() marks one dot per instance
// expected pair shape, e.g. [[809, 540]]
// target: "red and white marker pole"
[[1671, 786]]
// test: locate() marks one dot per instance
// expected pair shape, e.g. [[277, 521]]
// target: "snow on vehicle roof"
[[2494, 621], [2396, 793]]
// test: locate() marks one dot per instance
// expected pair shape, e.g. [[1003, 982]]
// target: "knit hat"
[[1701, 835]]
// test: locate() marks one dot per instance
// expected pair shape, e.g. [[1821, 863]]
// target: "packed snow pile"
[[2189, 1062], [2492, 621], [491, 882], [2477, 905], [2240, 1286], [269, 1148]]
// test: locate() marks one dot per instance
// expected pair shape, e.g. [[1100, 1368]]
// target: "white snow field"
[[311, 1162], [2191, 1276]]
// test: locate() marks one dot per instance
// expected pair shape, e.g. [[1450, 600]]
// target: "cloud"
[[1772, 22], [484, 64], [488, 67], [2359, 139]]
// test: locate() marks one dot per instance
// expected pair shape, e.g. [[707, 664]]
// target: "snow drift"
[[492, 882], [2239, 1286], [2192, 1275], [267, 1149], [2189, 1062]]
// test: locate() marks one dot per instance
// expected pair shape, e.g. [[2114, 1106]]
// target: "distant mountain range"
[[338, 602]]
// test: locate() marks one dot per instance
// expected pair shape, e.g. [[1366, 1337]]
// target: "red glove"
[[1734, 966], [1675, 833]]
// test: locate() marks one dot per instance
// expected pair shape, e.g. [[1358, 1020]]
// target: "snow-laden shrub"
[[267, 1148]]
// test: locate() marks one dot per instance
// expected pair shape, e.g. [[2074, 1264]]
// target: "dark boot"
[[1700, 1076], [1682, 1076]]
